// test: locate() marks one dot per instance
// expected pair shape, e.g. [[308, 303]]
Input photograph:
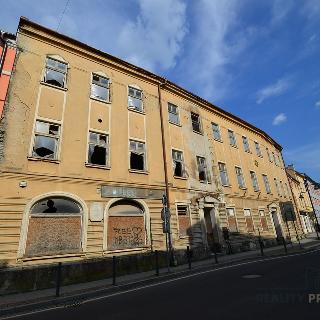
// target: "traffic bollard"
[[157, 262], [114, 271], [58, 279], [189, 257]]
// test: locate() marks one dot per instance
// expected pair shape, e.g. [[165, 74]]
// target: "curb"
[[74, 300]]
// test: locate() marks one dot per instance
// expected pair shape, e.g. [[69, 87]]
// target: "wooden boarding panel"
[[126, 232], [184, 226], [249, 223], [53, 235]]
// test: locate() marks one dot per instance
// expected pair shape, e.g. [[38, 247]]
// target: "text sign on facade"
[[130, 192]]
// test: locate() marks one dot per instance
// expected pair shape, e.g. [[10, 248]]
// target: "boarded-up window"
[[232, 221], [126, 226], [55, 227], [249, 221], [184, 220]]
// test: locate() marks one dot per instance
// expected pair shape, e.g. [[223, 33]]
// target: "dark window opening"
[[98, 149], [178, 169], [196, 125], [136, 161]]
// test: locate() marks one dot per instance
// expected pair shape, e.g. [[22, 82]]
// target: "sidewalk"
[[14, 303]]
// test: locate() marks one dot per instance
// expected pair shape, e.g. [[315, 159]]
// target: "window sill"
[[138, 171], [175, 124], [219, 140], [227, 185], [243, 188], [248, 151], [180, 178], [234, 146], [52, 86], [100, 100], [91, 165], [44, 160], [137, 111], [197, 132], [205, 182]]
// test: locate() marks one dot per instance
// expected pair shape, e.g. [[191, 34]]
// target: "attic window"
[[55, 73], [137, 155]]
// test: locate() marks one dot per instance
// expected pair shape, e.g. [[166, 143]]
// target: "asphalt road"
[[273, 289]]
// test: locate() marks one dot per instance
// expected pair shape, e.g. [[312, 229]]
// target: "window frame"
[[243, 179], [277, 186], [187, 205], [266, 183], [177, 114], [258, 149], [108, 100], [57, 138], [182, 163], [107, 165], [65, 74], [135, 88], [234, 138], [226, 173], [219, 138], [245, 142], [144, 158], [199, 123], [206, 171], [254, 178]]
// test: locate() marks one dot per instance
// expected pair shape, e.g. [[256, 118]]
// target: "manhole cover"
[[251, 276]]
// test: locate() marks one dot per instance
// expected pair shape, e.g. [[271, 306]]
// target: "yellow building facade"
[[90, 144]]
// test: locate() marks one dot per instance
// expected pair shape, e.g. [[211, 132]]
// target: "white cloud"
[[280, 118], [317, 104], [275, 89], [154, 39]]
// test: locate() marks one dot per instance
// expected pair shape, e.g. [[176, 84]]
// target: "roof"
[[161, 80]]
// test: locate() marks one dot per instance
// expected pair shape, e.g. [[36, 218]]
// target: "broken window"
[[178, 166], [266, 183], [216, 131], [232, 138], [223, 174], [55, 73], [245, 144], [173, 113], [137, 155], [258, 149], [46, 140], [135, 99], [184, 220], [240, 177], [100, 87], [196, 123], [98, 148], [254, 181], [202, 169]]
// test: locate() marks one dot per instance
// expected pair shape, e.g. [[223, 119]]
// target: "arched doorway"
[[54, 227], [126, 226]]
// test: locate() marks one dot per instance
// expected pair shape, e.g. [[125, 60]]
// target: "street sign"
[[165, 214], [164, 200]]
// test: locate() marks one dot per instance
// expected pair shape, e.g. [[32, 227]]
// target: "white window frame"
[[242, 175], [207, 180], [224, 171], [181, 161], [258, 149], [216, 129], [108, 100], [144, 158], [107, 165], [65, 73], [57, 137], [266, 183], [135, 88], [198, 122], [245, 142], [234, 138], [254, 180]]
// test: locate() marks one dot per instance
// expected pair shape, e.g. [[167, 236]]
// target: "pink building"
[[7, 56]]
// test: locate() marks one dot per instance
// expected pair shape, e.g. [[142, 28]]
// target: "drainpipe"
[[164, 158]]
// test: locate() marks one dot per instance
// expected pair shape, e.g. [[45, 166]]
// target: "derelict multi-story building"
[[91, 143]]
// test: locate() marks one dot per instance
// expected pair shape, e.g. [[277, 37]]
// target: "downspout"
[[164, 158]]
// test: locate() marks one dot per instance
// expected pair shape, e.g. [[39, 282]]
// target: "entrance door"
[[212, 236], [276, 224]]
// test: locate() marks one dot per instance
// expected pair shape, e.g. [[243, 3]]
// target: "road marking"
[[159, 283], [251, 276]]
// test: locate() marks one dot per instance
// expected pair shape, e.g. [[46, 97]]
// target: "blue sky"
[[256, 59]]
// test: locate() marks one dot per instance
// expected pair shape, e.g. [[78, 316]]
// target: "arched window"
[[55, 227], [126, 225]]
